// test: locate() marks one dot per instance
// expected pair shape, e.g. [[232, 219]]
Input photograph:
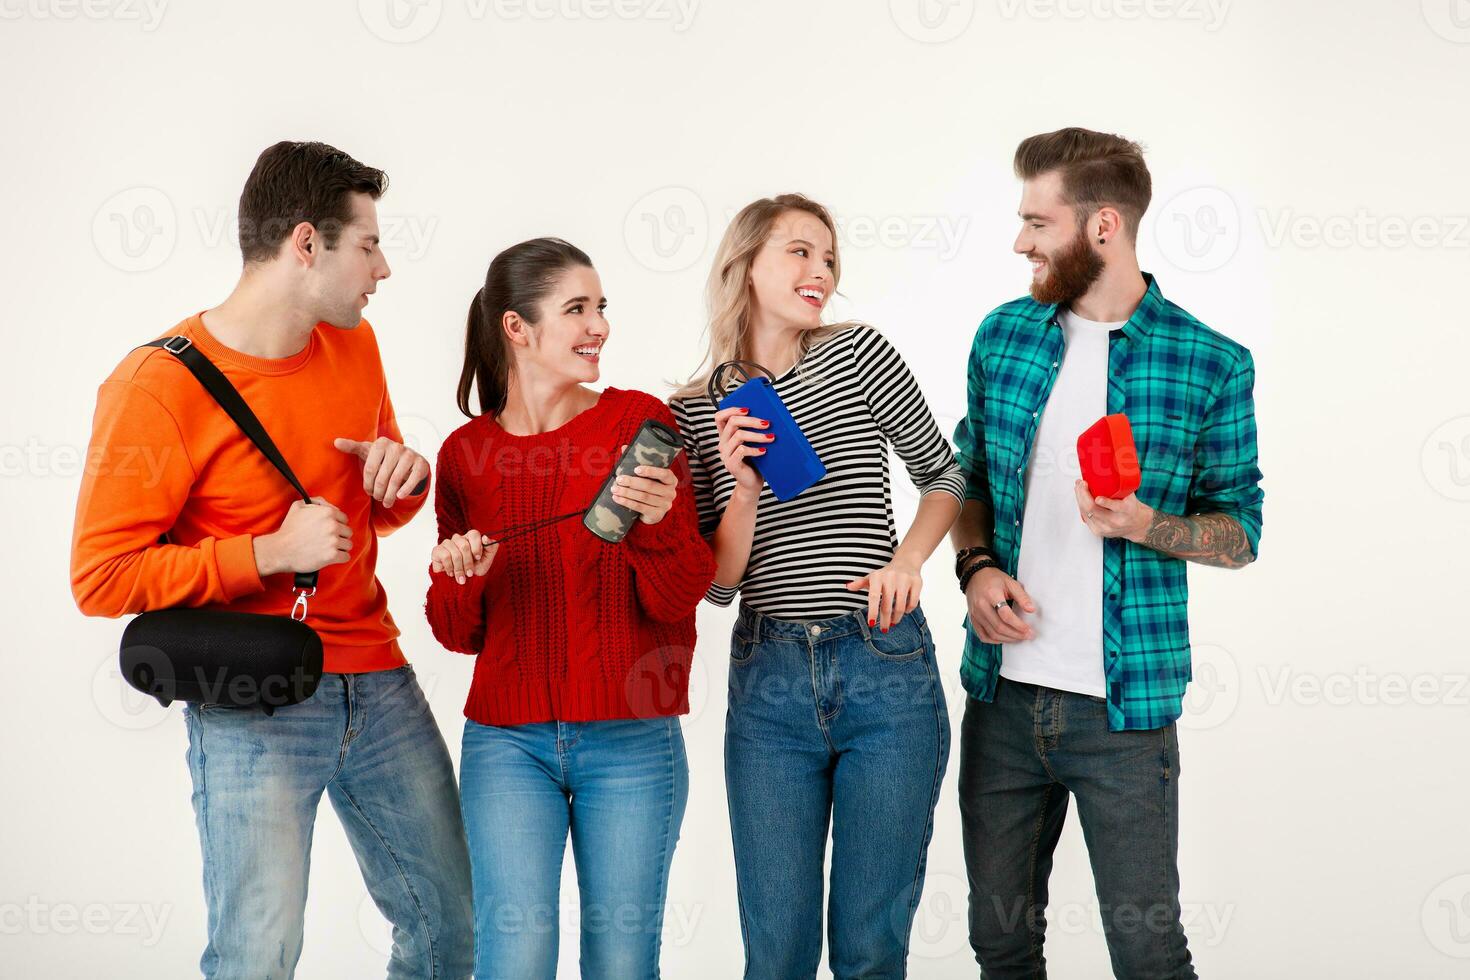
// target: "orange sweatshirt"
[[165, 458]]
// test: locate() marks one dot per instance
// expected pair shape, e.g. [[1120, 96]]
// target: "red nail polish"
[[885, 629], [764, 424], [872, 622]]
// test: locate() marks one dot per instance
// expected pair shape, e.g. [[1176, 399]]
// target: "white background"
[[1309, 169]]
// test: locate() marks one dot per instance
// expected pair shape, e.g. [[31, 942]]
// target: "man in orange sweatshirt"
[[291, 339]]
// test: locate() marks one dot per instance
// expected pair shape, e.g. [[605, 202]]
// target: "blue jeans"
[[1022, 757], [371, 743], [832, 719], [619, 788]]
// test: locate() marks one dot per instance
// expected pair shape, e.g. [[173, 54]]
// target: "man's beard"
[[1070, 272]]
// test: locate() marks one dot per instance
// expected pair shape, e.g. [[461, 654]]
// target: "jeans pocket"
[[742, 648], [904, 641]]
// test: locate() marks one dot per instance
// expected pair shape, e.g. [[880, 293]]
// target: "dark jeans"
[[1022, 757], [832, 719]]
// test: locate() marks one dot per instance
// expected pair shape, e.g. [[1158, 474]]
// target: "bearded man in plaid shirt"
[[1077, 646]]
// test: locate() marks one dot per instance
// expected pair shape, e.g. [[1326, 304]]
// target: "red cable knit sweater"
[[565, 626]]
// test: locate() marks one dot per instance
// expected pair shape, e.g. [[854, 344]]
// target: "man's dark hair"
[[1097, 169], [295, 182]]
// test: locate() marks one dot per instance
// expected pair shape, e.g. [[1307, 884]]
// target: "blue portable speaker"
[[790, 464]]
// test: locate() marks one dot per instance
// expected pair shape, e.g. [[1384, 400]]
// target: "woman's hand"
[[740, 438], [464, 555], [649, 491], [893, 590]]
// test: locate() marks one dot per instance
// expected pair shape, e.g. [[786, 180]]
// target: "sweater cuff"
[[235, 558], [663, 536], [474, 585]]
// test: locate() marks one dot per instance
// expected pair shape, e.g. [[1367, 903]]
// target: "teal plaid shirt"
[[1187, 392]]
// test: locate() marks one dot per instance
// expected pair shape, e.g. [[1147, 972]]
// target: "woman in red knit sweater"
[[582, 646]]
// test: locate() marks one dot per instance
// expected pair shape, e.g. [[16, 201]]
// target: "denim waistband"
[[758, 625]]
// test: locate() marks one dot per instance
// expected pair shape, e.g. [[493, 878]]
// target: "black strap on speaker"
[[229, 399], [714, 388]]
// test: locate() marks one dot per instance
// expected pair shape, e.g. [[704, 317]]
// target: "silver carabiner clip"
[[300, 606]]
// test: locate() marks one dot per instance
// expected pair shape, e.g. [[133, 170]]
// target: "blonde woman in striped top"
[[836, 711]]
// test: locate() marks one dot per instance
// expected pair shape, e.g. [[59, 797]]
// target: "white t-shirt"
[[1061, 561]]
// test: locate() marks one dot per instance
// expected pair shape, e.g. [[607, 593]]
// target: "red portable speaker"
[[1109, 458]]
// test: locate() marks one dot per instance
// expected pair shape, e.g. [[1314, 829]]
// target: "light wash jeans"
[[370, 742], [619, 789]]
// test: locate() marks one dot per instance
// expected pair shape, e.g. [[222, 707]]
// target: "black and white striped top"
[[852, 395]]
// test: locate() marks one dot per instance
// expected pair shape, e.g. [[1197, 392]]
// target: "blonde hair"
[[728, 295]]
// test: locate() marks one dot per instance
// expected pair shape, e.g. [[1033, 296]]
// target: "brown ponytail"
[[518, 280]]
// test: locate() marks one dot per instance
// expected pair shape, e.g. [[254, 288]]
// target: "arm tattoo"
[[1210, 539]]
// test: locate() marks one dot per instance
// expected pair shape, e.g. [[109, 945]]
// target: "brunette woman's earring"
[[1102, 241]]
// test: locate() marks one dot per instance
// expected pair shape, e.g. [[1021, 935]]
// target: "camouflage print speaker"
[[655, 445]]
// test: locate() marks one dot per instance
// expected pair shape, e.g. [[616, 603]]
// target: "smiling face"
[[791, 276], [565, 342], [1064, 263], [341, 278]]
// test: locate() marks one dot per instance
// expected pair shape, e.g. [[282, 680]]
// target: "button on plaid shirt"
[[1187, 392]]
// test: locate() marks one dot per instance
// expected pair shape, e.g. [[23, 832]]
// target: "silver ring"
[[1001, 605]]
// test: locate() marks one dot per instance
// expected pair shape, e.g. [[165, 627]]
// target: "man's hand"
[[1107, 518], [311, 537], [1210, 539], [893, 590], [390, 470], [989, 596], [464, 555], [649, 491]]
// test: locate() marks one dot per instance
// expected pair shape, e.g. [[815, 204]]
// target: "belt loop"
[[862, 618], [755, 625]]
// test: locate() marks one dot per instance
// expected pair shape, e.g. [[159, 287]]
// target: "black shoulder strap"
[[229, 399]]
